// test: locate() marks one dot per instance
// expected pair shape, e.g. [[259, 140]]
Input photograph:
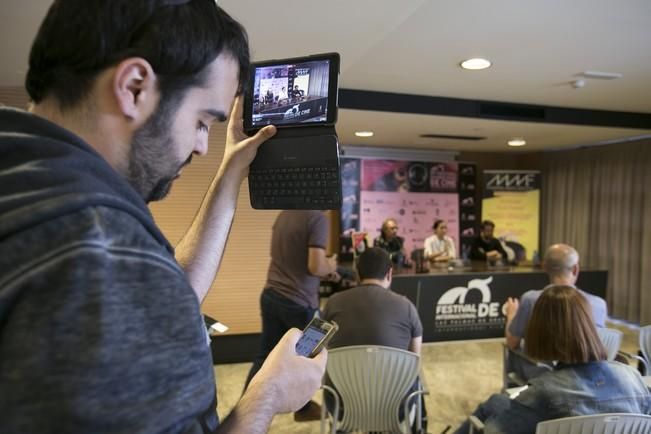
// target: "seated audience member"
[[486, 247], [582, 382], [372, 314], [561, 263], [392, 243], [439, 247]]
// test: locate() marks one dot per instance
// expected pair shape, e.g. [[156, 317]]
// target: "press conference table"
[[468, 302]]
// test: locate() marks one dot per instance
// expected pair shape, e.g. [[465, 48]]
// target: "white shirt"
[[434, 245]]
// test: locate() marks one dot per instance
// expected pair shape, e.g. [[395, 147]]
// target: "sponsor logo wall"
[[414, 193]]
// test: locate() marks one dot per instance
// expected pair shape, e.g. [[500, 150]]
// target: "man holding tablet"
[[99, 315]]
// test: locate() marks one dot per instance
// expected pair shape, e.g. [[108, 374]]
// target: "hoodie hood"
[[47, 171]]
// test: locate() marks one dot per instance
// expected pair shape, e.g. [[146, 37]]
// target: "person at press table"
[[486, 247], [392, 243], [440, 247]]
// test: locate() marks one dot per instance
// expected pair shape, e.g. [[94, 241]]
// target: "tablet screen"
[[292, 93]]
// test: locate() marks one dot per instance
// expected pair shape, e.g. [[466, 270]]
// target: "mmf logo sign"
[[454, 312], [513, 181]]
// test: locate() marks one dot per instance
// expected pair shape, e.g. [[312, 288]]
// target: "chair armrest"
[[636, 357], [515, 379], [476, 425], [421, 378], [419, 410], [335, 415]]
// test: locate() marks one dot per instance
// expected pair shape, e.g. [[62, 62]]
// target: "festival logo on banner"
[[456, 311], [413, 193], [512, 201]]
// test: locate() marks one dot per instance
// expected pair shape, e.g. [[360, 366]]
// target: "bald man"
[[392, 243], [561, 263]]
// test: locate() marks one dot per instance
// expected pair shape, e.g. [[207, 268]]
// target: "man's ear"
[[135, 89], [575, 270], [389, 275]]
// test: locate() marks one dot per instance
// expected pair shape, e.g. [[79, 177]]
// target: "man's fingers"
[[321, 358], [262, 135], [293, 335], [237, 110]]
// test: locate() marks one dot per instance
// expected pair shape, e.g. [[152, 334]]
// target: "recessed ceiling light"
[[364, 133], [476, 63], [517, 141]]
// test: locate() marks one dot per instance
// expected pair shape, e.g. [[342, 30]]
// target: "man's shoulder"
[[97, 227], [594, 299], [531, 295]]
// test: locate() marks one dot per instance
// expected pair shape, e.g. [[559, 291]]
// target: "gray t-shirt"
[[294, 232], [528, 299], [372, 315]]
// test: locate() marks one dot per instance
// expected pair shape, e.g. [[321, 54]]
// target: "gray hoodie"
[[100, 330]]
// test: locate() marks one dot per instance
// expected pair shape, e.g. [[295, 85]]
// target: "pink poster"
[[414, 212]]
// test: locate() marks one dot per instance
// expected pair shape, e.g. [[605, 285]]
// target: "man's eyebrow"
[[219, 115]]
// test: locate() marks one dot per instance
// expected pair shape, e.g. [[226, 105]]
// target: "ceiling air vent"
[[449, 137], [511, 111]]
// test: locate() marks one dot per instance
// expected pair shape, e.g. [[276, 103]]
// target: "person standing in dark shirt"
[[486, 247]]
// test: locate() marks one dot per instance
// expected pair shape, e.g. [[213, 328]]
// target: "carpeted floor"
[[459, 376]]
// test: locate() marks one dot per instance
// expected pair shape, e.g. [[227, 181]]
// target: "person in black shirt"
[[392, 243], [486, 247]]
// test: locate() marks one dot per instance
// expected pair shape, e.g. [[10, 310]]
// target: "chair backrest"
[[372, 382], [518, 368], [610, 423], [645, 344], [612, 340]]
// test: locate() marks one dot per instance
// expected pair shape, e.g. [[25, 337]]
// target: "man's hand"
[[332, 263], [494, 254], [240, 149], [512, 305], [289, 379]]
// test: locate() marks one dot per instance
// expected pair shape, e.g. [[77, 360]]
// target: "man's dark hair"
[[437, 223], [374, 263], [80, 38], [487, 223]]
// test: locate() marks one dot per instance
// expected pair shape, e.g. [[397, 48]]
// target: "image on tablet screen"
[[291, 94]]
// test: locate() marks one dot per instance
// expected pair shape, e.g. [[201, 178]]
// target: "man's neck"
[[81, 122], [383, 283], [562, 280]]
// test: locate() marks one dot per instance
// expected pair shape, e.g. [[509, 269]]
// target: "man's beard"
[[152, 166]]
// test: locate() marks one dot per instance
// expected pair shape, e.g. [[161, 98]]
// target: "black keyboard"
[[295, 188]]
